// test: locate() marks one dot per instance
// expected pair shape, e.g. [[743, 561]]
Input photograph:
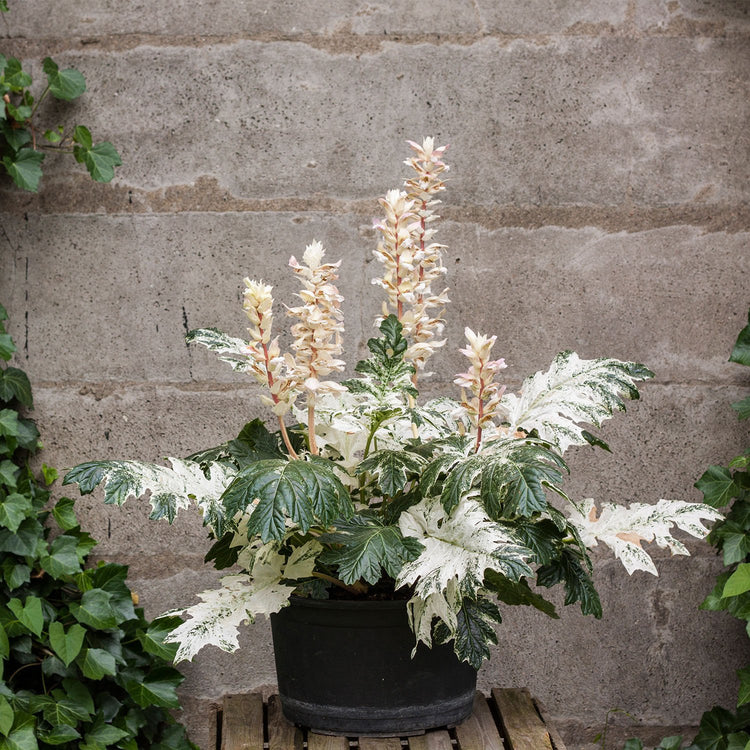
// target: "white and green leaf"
[[574, 391], [458, 549], [216, 619], [623, 529], [172, 489], [227, 348]]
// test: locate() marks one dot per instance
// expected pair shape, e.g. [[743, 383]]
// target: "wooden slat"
[[379, 743], [282, 734], [242, 722], [557, 742], [326, 742], [524, 730], [439, 740], [479, 731]]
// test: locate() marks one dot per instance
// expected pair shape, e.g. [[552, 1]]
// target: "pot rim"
[[304, 601]]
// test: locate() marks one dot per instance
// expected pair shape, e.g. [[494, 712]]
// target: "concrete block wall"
[[598, 201]]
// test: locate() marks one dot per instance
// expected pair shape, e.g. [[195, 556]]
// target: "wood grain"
[[524, 729], [242, 722], [479, 731], [282, 734]]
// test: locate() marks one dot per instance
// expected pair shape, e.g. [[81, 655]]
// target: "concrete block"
[[257, 18], [579, 121], [538, 17], [121, 292], [710, 17]]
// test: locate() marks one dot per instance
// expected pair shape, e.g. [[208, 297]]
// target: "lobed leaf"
[[392, 469], [63, 84], [276, 490], [368, 548], [553, 404], [25, 169], [228, 348]]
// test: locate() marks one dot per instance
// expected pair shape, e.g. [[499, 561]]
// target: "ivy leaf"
[[6, 716], [63, 84], [95, 609], [102, 736], [14, 75], [742, 408], [13, 510], [62, 559], [158, 688], [100, 160], [14, 383], [7, 347], [392, 469], [552, 404], [67, 645], [62, 734], [22, 738], [153, 641], [741, 351], [29, 613], [367, 548], [64, 514], [25, 169], [744, 693], [306, 492], [96, 663], [718, 486], [739, 582]]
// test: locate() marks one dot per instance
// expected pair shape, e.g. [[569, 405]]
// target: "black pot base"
[[346, 668]]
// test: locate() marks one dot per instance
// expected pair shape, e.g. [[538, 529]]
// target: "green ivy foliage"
[[727, 487], [80, 666], [23, 141]]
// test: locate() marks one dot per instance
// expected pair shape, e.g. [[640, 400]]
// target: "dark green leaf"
[[24, 541], [62, 559], [6, 716], [741, 350], [392, 469], [152, 639], [63, 84], [15, 76], [95, 609], [100, 160], [67, 645], [158, 688], [8, 472], [367, 548], [307, 492], [96, 663], [25, 169], [20, 739], [29, 613], [578, 584], [14, 383], [743, 696], [254, 443], [718, 486], [223, 554], [64, 514], [15, 574], [474, 630], [82, 136], [62, 734], [7, 347], [742, 408], [13, 510]]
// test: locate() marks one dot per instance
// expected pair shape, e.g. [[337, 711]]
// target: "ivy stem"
[[354, 588]]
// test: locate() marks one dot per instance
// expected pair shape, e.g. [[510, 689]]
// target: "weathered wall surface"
[[598, 201]]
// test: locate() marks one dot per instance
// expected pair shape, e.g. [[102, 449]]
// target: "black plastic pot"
[[345, 667]]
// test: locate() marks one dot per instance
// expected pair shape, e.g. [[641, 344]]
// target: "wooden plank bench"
[[510, 719]]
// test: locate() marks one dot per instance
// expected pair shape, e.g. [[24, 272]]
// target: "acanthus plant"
[[362, 490]]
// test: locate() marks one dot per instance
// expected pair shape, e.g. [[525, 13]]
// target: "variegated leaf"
[[623, 529], [572, 392], [216, 620], [227, 348], [458, 549], [171, 489], [391, 469]]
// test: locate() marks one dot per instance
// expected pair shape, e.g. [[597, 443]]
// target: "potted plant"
[[363, 497]]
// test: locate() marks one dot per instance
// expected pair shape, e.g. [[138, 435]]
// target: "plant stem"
[[285, 438], [354, 588], [311, 426]]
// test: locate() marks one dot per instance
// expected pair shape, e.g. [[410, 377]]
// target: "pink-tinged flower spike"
[[266, 362], [317, 333], [479, 379]]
